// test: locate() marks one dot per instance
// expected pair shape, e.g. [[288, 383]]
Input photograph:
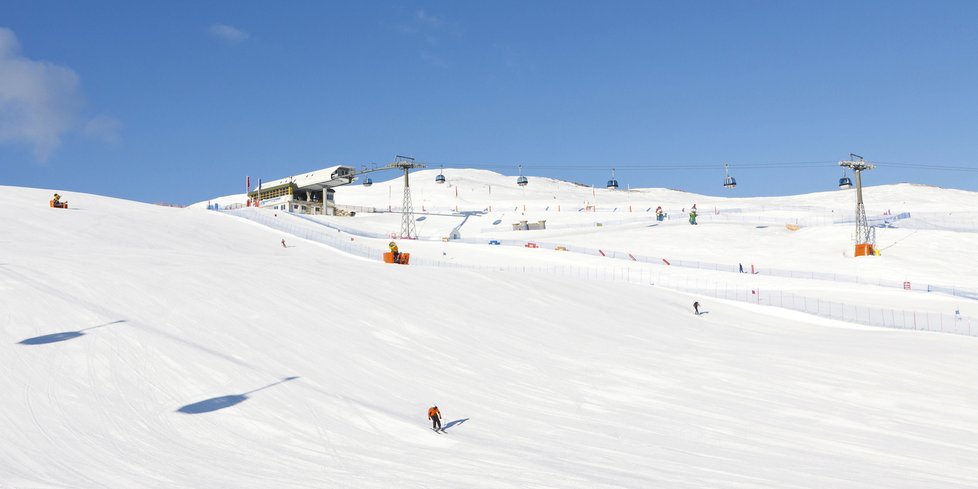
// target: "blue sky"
[[179, 101]]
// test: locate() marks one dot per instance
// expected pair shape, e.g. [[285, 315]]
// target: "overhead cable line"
[[926, 166], [650, 166], [674, 166]]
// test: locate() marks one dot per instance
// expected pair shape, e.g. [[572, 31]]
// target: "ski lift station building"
[[309, 193]]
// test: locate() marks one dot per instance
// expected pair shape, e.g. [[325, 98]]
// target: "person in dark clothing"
[[435, 416], [696, 308]]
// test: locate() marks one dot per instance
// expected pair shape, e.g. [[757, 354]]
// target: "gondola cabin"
[[613, 183], [728, 181]]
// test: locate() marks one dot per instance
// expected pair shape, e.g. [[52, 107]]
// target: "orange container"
[[389, 258], [864, 249]]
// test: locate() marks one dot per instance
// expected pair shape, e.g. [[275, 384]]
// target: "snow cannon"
[[402, 259]]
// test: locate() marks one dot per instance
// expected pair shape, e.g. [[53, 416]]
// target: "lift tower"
[[406, 163], [865, 235]]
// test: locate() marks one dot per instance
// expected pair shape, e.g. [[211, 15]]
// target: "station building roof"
[[318, 180]]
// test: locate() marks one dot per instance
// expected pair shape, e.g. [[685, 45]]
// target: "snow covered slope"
[[145, 346]]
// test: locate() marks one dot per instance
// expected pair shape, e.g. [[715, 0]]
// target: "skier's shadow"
[[218, 403], [63, 336], [453, 423]]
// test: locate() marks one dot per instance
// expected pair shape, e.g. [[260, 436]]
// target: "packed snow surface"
[[147, 346]]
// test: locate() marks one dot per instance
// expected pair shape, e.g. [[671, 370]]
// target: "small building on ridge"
[[309, 193]]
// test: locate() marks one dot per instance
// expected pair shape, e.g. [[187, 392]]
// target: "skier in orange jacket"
[[435, 416]]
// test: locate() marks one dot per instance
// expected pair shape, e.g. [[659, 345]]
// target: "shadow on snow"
[[63, 336], [218, 403], [453, 423]]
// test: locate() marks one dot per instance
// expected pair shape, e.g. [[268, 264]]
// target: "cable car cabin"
[[440, 178], [368, 182], [521, 181], [613, 183], [845, 183], [729, 182]]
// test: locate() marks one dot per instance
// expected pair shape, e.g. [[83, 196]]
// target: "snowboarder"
[[696, 308], [741, 267], [692, 217], [283, 243], [435, 416], [394, 252]]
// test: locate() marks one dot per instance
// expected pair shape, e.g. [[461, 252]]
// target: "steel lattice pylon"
[[406, 163], [864, 233], [408, 231]]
